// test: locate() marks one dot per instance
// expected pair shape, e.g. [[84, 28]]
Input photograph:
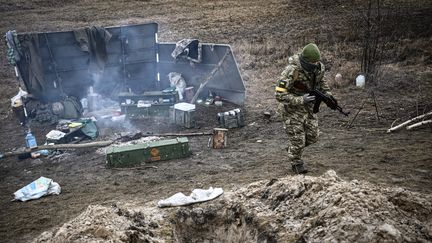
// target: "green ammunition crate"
[[184, 114], [184, 118], [130, 155], [154, 111], [161, 104]]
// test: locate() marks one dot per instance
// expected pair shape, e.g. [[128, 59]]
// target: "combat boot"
[[299, 168]]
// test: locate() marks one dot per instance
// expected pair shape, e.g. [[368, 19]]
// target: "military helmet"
[[311, 53]]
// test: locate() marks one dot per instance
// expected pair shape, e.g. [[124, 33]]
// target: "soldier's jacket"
[[297, 82]]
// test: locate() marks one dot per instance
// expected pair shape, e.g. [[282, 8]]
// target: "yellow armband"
[[281, 86]]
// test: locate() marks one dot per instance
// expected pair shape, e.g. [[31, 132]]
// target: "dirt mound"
[[105, 224], [290, 209]]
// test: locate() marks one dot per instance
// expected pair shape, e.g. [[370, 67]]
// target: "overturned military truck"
[[124, 63]]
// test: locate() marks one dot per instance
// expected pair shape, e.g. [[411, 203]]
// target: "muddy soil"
[[287, 209], [262, 35]]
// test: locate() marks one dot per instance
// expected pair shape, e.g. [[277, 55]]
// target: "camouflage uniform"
[[300, 123]]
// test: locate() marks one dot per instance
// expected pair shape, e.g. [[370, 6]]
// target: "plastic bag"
[[55, 135], [16, 101], [89, 129], [38, 188], [197, 195]]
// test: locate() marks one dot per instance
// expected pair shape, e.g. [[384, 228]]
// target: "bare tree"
[[373, 40]]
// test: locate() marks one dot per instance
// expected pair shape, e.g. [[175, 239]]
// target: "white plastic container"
[[184, 114], [360, 81]]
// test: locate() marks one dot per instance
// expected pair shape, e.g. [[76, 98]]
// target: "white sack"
[[197, 195], [55, 135], [38, 188]]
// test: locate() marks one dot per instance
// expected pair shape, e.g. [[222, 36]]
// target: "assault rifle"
[[328, 100], [320, 97]]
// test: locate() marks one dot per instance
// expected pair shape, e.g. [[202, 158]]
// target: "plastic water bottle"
[[30, 140], [360, 81]]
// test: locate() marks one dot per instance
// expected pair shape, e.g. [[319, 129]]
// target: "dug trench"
[[287, 209]]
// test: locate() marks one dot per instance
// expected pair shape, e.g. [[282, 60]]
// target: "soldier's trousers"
[[302, 131]]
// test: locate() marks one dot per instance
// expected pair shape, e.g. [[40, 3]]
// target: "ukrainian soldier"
[[305, 72]]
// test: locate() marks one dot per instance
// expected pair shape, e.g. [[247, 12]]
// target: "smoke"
[[131, 65], [129, 68]]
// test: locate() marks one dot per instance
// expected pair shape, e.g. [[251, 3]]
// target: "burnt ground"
[[262, 34]]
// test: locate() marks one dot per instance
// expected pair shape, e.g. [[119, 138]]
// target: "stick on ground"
[[408, 122], [57, 146], [209, 77], [419, 124], [376, 105], [352, 121]]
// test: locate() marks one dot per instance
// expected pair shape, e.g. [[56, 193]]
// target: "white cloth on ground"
[[197, 195]]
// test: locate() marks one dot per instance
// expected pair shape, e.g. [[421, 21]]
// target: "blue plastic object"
[[44, 152], [30, 140]]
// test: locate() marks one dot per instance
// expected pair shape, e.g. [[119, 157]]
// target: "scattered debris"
[[231, 119], [417, 118], [38, 188], [218, 103], [178, 83], [209, 100], [57, 156], [209, 77], [418, 124], [139, 140], [128, 136], [267, 114], [57, 146], [219, 139], [197, 195], [135, 168], [17, 104], [189, 93], [55, 135], [289, 209]]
